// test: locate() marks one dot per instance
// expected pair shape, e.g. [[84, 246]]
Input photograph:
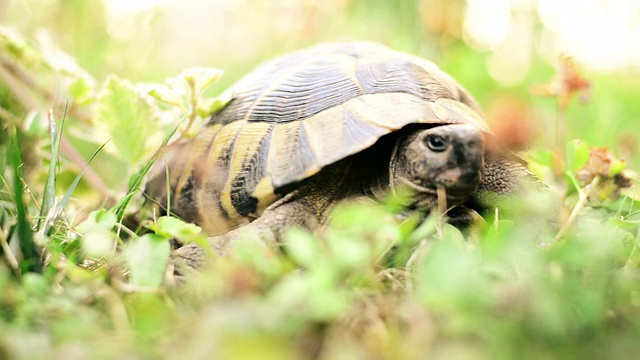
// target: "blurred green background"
[[498, 49], [513, 290]]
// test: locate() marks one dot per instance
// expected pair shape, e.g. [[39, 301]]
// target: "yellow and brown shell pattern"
[[294, 115]]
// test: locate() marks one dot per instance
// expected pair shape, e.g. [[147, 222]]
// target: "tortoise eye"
[[437, 143]]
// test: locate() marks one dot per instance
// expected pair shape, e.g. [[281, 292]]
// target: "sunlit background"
[[602, 34], [498, 49]]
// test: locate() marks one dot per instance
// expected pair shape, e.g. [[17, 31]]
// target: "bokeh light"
[[169, 35]]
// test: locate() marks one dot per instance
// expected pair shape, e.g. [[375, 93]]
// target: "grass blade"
[[49, 194], [31, 259]]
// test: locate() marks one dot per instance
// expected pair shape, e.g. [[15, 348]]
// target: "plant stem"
[[560, 139], [18, 90], [582, 200], [11, 259], [193, 114], [560, 127]]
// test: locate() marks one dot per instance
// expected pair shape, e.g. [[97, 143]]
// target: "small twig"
[[18, 90], [7, 187], [560, 131], [442, 199], [559, 153], [388, 274], [29, 193], [11, 259], [126, 230], [21, 74], [583, 196]]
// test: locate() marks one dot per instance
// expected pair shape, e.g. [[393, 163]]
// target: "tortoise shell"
[[296, 114]]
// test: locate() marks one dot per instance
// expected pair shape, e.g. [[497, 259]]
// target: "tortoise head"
[[450, 157]]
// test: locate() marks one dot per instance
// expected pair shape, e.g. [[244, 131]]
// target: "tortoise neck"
[[371, 170]]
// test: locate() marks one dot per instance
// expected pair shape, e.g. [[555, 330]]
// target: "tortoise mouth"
[[459, 183], [454, 195]]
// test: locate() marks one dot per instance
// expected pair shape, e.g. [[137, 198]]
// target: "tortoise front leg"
[[269, 228]]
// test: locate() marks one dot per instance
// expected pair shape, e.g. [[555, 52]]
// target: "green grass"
[[505, 290]]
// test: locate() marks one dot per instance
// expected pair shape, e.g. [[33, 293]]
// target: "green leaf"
[[576, 155], [127, 119], [616, 168], [82, 90], [302, 247], [426, 229], [36, 124], [349, 252], [174, 228], [312, 296], [542, 157], [98, 220], [208, 107], [22, 50], [168, 95], [621, 223], [99, 243], [147, 257], [199, 79], [449, 277]]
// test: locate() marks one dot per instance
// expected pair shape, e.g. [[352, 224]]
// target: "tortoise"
[[333, 122]]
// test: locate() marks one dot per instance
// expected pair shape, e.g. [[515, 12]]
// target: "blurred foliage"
[[556, 276]]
